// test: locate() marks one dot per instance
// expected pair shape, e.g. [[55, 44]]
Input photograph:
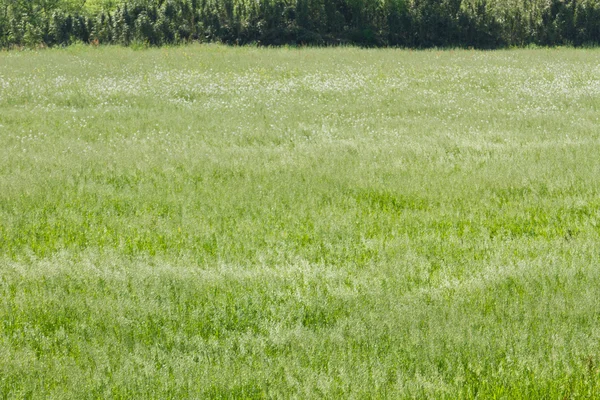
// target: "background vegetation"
[[410, 23], [241, 222]]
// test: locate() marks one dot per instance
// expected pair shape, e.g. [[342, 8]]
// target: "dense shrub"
[[413, 23]]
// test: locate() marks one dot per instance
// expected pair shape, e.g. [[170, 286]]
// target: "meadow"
[[238, 222]]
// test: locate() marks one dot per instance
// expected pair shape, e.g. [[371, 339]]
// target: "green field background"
[[218, 222]]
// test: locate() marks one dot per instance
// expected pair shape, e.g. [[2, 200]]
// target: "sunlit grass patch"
[[207, 221]]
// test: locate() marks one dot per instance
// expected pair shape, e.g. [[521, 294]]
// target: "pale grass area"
[[215, 222]]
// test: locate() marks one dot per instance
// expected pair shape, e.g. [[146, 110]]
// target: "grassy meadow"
[[225, 222]]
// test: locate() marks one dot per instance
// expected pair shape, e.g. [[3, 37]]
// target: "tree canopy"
[[406, 23]]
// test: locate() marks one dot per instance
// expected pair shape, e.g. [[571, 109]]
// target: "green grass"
[[213, 222]]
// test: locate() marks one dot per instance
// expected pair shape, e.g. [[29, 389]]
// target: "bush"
[[411, 23]]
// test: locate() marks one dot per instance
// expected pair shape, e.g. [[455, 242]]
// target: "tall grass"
[[213, 222]]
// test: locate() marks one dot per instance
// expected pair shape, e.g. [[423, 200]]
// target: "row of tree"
[[407, 23]]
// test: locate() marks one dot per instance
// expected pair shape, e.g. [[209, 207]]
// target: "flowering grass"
[[216, 222]]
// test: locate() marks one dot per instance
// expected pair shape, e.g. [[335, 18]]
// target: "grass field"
[[213, 222]]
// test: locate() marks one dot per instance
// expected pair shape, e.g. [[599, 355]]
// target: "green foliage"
[[413, 23]]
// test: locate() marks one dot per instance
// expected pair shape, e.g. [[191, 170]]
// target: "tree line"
[[405, 23]]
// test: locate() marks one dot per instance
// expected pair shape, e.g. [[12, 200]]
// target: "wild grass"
[[215, 222]]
